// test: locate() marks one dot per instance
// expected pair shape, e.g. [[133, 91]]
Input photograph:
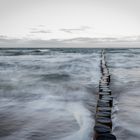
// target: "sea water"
[[48, 94], [51, 94]]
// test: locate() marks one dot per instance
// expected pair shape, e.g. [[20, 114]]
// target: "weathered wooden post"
[[103, 122]]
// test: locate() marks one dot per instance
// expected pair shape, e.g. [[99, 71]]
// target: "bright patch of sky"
[[64, 19]]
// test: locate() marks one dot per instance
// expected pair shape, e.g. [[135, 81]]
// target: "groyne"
[[103, 122]]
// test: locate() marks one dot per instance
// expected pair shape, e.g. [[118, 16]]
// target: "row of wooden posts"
[[103, 121]]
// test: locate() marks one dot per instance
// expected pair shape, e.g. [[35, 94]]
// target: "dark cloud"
[[75, 42], [95, 40], [81, 29], [41, 25], [40, 31], [3, 37]]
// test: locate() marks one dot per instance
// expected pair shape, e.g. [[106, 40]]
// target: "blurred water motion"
[[50, 94]]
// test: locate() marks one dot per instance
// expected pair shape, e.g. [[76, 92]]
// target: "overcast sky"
[[64, 19]]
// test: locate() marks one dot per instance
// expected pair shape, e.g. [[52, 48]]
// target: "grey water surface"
[[51, 94], [48, 94], [124, 66]]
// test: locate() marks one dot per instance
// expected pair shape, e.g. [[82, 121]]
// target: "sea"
[[51, 93]]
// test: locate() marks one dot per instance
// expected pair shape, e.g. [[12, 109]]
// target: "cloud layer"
[[5, 42], [39, 30], [73, 30]]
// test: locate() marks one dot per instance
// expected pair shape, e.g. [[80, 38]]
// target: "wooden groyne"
[[103, 122]]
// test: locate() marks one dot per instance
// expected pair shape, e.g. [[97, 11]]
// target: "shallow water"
[[48, 94], [51, 94], [125, 69]]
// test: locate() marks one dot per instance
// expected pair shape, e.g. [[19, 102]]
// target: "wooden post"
[[103, 122]]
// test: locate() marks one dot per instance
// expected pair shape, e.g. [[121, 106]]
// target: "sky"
[[68, 19]]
